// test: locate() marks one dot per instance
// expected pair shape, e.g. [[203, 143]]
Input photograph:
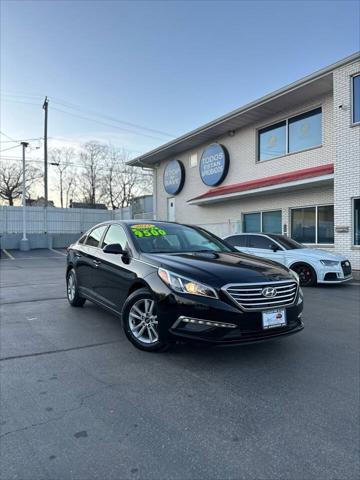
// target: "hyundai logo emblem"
[[269, 292]]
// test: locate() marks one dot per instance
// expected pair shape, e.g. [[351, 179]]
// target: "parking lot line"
[[8, 254], [56, 251]]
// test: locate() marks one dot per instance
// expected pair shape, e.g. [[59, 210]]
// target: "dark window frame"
[[261, 213], [353, 121], [266, 128], [316, 224], [354, 232]]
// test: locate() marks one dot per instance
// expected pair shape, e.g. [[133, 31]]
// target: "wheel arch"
[[137, 285]]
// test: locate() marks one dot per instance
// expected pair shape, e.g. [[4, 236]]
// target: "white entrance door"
[[171, 209]]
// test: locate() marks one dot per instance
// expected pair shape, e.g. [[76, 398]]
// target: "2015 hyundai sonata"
[[172, 282]]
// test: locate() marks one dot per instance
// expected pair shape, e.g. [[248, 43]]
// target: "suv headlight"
[[185, 285], [330, 263]]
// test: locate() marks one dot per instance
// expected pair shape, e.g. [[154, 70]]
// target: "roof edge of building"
[[145, 159]]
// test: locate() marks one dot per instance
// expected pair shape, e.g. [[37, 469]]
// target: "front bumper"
[[246, 327], [338, 274]]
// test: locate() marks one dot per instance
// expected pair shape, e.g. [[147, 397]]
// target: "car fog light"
[[208, 323]]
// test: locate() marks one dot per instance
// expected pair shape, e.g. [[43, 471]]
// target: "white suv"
[[311, 264]]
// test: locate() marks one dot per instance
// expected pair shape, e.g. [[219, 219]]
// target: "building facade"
[[287, 163]]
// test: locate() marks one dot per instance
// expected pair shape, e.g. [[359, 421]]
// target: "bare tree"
[[92, 158], [11, 176], [70, 186], [121, 183], [61, 158]]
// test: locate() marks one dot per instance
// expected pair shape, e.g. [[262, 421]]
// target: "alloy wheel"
[[71, 288], [306, 275], [143, 321]]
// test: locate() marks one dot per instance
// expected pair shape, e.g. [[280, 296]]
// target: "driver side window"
[[115, 234], [257, 241]]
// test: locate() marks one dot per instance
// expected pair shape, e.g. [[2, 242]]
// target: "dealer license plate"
[[274, 318]]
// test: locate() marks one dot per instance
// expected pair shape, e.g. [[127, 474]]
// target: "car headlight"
[[185, 285], [330, 263]]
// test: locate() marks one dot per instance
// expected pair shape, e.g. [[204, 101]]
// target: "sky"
[[140, 73]]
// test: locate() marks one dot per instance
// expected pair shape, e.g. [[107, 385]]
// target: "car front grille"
[[253, 296], [346, 268]]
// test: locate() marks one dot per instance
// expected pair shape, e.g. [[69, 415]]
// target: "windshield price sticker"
[[147, 230]]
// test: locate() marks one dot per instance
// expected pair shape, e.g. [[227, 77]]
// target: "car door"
[[263, 246], [114, 273], [87, 259]]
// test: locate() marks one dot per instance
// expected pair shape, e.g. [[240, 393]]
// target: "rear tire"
[[307, 274], [72, 290], [140, 321]]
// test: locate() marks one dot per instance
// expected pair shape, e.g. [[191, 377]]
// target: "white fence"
[[56, 220], [40, 220]]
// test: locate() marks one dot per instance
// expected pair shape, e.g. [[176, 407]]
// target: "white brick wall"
[[341, 144], [347, 165], [243, 164]]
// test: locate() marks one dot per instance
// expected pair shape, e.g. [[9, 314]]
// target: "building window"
[[272, 141], [292, 135], [252, 222], [305, 131], [356, 221], [356, 99], [265, 222], [313, 224]]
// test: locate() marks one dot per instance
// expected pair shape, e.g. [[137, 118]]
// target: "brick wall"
[[347, 165]]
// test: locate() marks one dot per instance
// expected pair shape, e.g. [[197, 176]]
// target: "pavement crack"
[[62, 350], [63, 415]]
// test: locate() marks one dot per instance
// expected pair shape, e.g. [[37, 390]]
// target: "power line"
[[100, 122], [73, 106], [7, 136], [93, 113], [10, 148]]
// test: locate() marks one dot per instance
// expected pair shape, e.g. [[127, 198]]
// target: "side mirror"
[[274, 247], [114, 248]]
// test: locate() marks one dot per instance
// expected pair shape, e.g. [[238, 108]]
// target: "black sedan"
[[172, 282]]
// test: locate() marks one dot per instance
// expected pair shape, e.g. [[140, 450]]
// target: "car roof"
[[139, 221]]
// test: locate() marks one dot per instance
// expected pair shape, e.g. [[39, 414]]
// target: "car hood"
[[318, 254], [218, 269]]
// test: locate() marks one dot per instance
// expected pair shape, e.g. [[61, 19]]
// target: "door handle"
[[96, 263]]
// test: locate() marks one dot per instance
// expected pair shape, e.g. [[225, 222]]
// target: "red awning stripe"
[[268, 181]]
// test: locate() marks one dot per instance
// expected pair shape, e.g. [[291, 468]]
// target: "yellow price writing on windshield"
[[147, 231]]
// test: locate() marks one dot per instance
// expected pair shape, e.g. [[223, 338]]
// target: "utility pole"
[[24, 242], [45, 107]]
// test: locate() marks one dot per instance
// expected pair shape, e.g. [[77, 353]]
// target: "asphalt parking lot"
[[78, 401]]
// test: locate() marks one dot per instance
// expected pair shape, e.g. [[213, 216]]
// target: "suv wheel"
[[140, 321], [72, 290]]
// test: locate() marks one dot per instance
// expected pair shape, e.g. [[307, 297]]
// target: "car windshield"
[[174, 238], [286, 242]]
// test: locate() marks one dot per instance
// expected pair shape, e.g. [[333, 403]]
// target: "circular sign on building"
[[214, 164], [174, 177]]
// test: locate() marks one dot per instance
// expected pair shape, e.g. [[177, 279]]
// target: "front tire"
[[140, 321], [307, 274], [72, 290]]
